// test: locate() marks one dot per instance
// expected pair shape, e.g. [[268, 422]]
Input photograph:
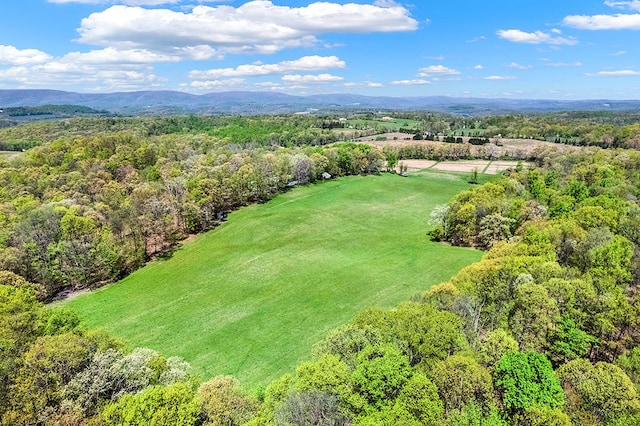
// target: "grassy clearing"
[[393, 124], [251, 297]]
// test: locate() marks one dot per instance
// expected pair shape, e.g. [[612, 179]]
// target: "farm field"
[[487, 167], [499, 146], [389, 123], [251, 297]]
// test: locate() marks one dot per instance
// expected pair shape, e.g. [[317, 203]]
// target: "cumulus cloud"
[[415, 82], [257, 26], [77, 75], [94, 70], [304, 64], [10, 56], [478, 67], [320, 78], [437, 71], [633, 4], [537, 37], [608, 22], [603, 22]]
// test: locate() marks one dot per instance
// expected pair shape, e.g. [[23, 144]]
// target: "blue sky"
[[587, 49]]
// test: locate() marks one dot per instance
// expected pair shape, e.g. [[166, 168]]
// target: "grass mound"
[[251, 297]]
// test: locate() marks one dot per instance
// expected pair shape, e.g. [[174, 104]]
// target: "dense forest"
[[542, 331]]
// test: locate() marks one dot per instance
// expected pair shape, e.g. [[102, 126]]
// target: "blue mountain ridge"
[[272, 102]]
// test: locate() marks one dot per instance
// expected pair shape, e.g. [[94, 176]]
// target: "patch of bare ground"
[[70, 294], [9, 155], [462, 166], [498, 147], [496, 167], [415, 165]]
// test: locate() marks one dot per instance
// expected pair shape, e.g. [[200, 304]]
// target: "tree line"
[[599, 128], [83, 211]]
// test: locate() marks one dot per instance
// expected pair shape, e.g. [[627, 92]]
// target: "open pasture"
[[251, 297]]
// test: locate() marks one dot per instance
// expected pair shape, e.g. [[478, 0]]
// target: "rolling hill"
[[172, 102]]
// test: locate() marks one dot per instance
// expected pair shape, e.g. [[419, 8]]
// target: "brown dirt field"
[[498, 166], [414, 165], [499, 145], [462, 166]]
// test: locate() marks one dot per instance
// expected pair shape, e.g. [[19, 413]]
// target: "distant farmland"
[[251, 297]]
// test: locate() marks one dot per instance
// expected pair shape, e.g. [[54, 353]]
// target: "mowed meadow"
[[252, 296]]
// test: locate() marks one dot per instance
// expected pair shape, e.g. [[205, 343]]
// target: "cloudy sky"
[[521, 49]]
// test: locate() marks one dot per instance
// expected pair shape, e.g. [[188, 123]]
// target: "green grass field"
[[251, 297], [396, 123]]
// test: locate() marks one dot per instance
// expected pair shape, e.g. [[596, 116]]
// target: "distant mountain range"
[[172, 102]]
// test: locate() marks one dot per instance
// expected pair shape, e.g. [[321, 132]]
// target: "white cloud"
[[217, 84], [77, 75], [370, 84], [114, 56], [268, 84], [603, 22], [474, 40], [385, 3], [619, 53], [500, 77], [11, 56], [618, 73], [564, 64], [415, 82], [129, 2], [633, 4], [256, 26], [478, 67], [537, 37], [518, 66], [107, 69], [437, 71], [320, 78], [304, 64]]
